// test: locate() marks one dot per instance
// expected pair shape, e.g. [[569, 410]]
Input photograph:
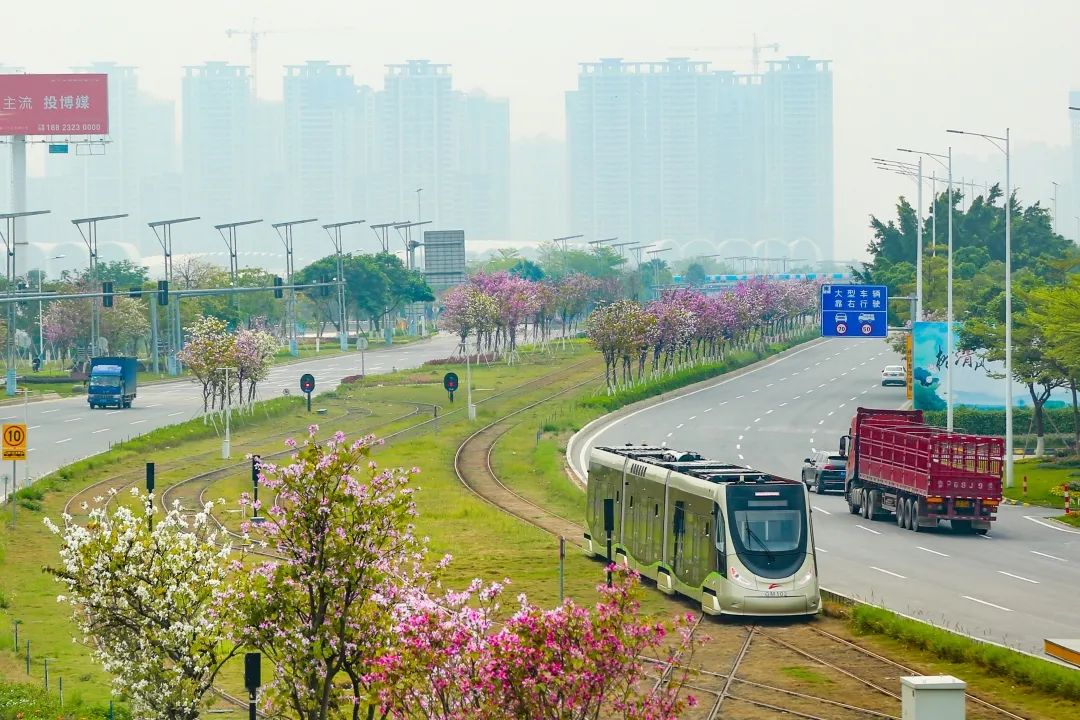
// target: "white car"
[[894, 375]]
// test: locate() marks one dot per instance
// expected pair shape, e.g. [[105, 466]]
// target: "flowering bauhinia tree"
[[148, 602], [341, 531], [459, 658]]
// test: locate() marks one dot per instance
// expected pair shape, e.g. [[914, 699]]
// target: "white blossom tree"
[[148, 602]]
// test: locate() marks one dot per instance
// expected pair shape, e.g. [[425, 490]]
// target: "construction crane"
[[253, 38], [755, 50]]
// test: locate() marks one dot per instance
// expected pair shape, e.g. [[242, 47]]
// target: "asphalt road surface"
[[1016, 585], [63, 431]]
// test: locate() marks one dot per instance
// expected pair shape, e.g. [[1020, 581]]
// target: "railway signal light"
[[107, 293], [450, 384], [307, 385]]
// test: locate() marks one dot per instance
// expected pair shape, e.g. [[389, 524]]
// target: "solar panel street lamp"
[[87, 228], [163, 232], [285, 232], [334, 231]]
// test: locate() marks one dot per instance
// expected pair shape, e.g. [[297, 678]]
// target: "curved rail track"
[[832, 677]]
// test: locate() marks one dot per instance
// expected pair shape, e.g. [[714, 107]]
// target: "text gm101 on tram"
[[737, 540]]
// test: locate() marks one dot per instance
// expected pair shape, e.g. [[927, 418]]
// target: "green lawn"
[[485, 542]]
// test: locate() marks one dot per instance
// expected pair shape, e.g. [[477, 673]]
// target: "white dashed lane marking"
[[95, 432], [1052, 557], [935, 552], [679, 426], [888, 572], [984, 602], [63, 441], [869, 530], [1019, 577]]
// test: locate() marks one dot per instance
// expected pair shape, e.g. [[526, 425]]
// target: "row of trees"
[[221, 359], [349, 610], [377, 287], [1046, 290], [494, 308], [685, 327]]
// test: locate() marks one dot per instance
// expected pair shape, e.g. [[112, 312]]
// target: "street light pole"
[[949, 318], [226, 445], [1007, 140]]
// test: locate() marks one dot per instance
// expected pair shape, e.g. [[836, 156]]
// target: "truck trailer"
[[113, 381], [898, 465]]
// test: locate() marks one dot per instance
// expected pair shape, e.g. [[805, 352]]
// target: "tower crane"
[[253, 38], [755, 50]]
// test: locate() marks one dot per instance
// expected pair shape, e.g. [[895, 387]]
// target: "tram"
[[738, 540]]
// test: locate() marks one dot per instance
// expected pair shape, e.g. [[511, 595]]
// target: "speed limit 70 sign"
[[14, 437]]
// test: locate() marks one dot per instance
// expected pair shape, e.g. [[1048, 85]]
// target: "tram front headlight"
[[734, 575], [805, 579]]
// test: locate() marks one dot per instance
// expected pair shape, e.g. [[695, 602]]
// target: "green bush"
[[26, 701], [41, 379], [1043, 675], [687, 376], [992, 422]]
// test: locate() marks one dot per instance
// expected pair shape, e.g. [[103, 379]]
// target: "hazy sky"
[[903, 71]]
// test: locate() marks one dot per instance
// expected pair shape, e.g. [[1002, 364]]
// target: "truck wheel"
[[982, 531], [901, 513], [852, 506], [867, 504]]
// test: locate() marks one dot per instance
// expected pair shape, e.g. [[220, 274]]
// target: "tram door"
[[678, 534]]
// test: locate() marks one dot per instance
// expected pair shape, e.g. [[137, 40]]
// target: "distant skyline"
[[890, 64]]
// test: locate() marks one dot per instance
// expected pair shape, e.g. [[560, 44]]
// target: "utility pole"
[[226, 445]]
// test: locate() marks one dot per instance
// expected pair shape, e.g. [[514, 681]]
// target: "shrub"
[[992, 422], [1041, 674]]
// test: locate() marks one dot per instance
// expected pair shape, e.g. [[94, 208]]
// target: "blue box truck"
[[113, 381]]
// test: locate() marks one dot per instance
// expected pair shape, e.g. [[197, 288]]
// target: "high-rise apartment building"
[[485, 166], [708, 161], [417, 115], [218, 147], [453, 147], [320, 120], [799, 154]]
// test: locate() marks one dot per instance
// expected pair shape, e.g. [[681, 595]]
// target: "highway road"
[[62, 431], [1016, 585]]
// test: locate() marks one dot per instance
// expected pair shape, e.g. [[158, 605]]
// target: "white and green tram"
[[738, 540]]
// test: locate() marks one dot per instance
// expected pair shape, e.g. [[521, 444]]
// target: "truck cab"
[[112, 382]]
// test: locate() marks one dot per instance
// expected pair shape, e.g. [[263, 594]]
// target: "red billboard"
[[74, 104]]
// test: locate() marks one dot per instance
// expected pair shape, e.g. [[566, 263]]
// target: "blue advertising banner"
[[855, 311], [977, 382]]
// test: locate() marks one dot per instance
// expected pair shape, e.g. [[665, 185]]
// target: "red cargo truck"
[[896, 464]]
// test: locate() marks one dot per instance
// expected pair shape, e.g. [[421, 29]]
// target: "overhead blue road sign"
[[854, 311]]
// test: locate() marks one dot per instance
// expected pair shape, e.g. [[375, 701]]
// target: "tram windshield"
[[768, 527]]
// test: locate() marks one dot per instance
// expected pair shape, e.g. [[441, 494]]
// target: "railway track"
[[809, 673]]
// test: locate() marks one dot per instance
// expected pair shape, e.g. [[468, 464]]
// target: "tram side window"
[[721, 542], [679, 518]]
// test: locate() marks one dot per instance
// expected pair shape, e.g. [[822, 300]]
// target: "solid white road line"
[[1052, 557], [888, 572], [925, 549], [869, 530], [822, 510], [95, 432], [983, 602], [1052, 527], [1019, 577]]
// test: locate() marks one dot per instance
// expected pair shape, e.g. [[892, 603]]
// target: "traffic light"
[[278, 293], [324, 290], [135, 292], [106, 290], [162, 292]]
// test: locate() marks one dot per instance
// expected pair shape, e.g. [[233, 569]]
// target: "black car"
[[824, 472]]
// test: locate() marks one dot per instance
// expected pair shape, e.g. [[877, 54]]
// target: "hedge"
[[992, 422]]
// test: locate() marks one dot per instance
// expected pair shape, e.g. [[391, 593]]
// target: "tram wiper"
[[764, 547]]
